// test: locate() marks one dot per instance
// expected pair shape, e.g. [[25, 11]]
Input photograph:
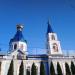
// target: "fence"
[[39, 51], [36, 51]]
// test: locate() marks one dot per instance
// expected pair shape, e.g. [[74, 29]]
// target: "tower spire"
[[49, 28]]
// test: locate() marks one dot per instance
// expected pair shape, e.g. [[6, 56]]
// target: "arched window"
[[19, 56], [53, 37], [15, 46], [55, 47], [21, 46]]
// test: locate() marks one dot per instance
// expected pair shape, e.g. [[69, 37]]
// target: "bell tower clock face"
[[55, 47]]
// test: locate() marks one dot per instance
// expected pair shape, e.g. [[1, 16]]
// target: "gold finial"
[[19, 27]]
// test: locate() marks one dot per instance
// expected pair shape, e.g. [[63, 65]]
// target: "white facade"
[[53, 44], [19, 45], [18, 53]]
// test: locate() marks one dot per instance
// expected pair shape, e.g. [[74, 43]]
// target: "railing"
[[69, 52], [39, 51]]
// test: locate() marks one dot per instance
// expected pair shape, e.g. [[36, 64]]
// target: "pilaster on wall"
[[16, 66], [5, 66], [62, 61], [0, 67]]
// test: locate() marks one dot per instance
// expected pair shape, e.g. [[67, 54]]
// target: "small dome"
[[19, 27], [18, 36]]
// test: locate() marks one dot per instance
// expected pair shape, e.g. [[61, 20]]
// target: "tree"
[[52, 70], [33, 69], [21, 69], [42, 69], [72, 68], [28, 72], [67, 69], [59, 71], [10, 70]]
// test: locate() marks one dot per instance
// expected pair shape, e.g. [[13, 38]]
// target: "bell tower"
[[53, 44]]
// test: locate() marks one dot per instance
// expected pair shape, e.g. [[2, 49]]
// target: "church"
[[18, 52]]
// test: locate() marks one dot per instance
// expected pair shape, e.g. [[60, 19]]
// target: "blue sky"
[[34, 14]]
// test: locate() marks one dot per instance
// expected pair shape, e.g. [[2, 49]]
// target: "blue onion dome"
[[18, 36]]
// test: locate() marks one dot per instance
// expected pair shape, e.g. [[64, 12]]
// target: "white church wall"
[[20, 46], [29, 63], [17, 64], [24, 44], [62, 62], [5, 66], [50, 38]]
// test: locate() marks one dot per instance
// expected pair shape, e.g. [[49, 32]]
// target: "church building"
[[18, 52]]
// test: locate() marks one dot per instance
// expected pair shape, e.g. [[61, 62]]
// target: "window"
[[15, 46], [53, 37], [20, 56], [21, 46], [55, 47]]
